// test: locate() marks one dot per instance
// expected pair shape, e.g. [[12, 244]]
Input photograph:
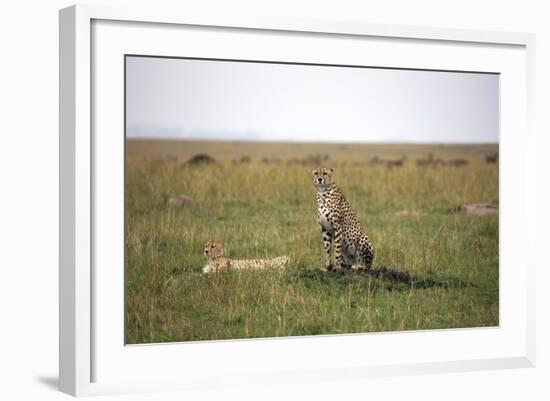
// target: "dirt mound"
[[376, 278], [200, 159], [242, 160], [381, 272], [409, 213], [180, 200], [387, 273], [476, 208], [404, 277]]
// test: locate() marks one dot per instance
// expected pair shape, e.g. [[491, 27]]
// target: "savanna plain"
[[258, 200]]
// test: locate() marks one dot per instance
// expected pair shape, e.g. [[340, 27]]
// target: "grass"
[[267, 210]]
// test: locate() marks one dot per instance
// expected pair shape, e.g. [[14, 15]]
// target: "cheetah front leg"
[[339, 258], [327, 246]]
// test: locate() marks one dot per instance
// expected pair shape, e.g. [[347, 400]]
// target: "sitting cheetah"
[[213, 250], [339, 224]]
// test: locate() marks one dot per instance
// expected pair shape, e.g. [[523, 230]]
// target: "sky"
[[229, 100]]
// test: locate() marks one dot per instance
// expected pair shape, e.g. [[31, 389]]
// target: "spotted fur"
[[339, 225], [216, 261]]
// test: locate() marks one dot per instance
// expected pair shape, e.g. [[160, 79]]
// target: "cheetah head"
[[213, 249], [321, 177]]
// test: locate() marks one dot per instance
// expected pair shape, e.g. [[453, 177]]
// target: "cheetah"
[[216, 261], [352, 247]]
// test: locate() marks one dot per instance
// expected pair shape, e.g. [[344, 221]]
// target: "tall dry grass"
[[265, 210]]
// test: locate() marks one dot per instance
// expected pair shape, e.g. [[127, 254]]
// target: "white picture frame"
[[88, 343]]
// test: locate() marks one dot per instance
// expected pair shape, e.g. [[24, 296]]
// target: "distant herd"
[[318, 159]]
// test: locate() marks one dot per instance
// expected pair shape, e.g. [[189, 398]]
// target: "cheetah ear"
[[331, 170]]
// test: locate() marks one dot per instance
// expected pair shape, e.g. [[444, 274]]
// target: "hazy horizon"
[[203, 139], [192, 99]]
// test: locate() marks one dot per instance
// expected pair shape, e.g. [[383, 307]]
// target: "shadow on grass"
[[375, 278]]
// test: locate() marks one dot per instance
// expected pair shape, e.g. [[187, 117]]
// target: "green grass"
[[267, 210]]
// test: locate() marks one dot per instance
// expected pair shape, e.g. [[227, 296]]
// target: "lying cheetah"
[[339, 225], [213, 250]]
